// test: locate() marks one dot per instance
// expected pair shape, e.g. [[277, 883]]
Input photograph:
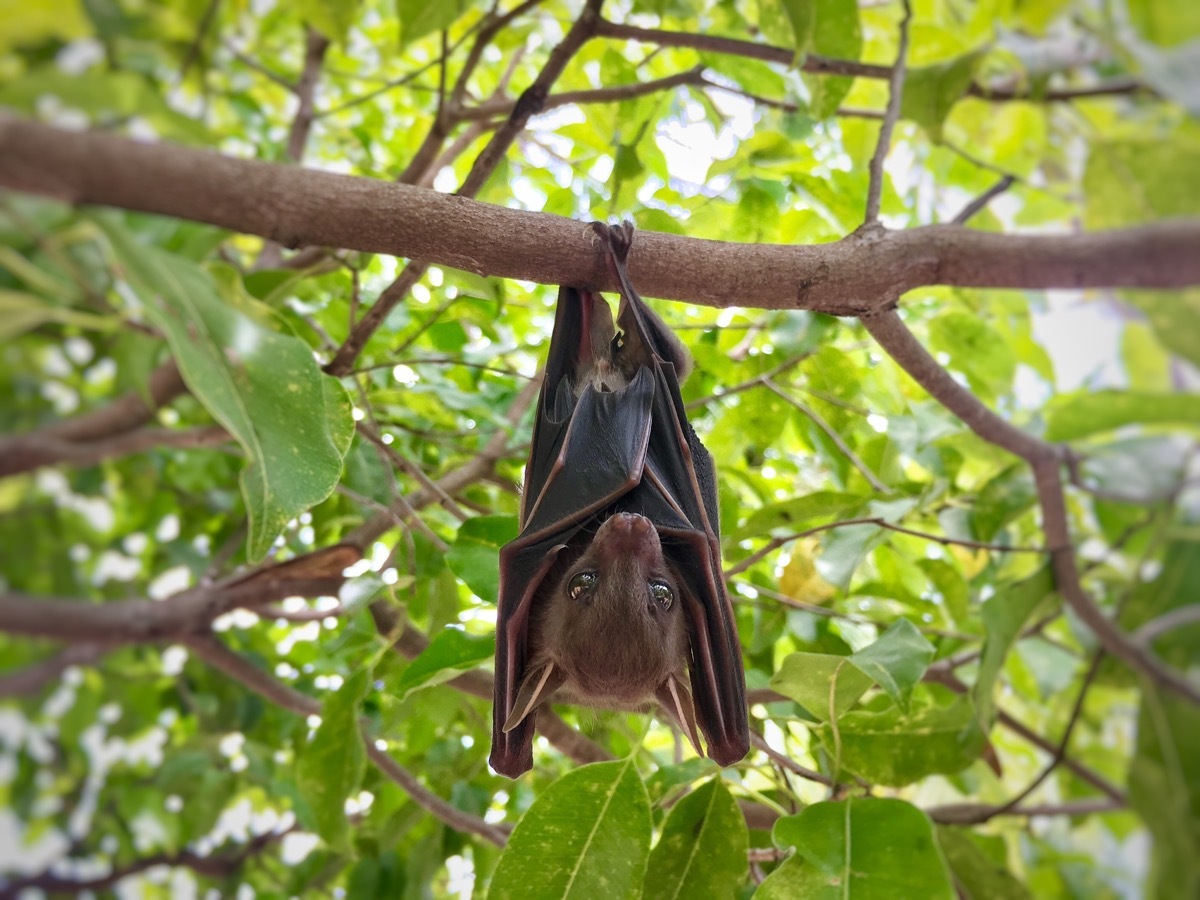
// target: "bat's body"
[[613, 589]]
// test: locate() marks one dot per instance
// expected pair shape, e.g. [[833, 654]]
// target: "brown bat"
[[613, 589]]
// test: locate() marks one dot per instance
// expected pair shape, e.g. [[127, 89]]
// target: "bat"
[[613, 589]]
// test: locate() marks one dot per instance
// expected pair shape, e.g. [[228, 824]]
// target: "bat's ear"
[[535, 690], [676, 700]]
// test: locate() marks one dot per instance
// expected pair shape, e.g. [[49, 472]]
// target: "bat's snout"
[[627, 534]]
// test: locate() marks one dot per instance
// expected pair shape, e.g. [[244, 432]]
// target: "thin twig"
[[895, 94], [1167, 622], [831, 433], [980, 203]]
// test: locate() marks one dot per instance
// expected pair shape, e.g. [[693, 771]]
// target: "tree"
[[275, 287]]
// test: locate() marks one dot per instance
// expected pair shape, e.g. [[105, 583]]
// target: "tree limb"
[[530, 102], [217, 866], [36, 450], [825, 65], [884, 142], [250, 676], [303, 207]]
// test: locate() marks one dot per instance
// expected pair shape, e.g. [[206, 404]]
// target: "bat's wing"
[[680, 473], [586, 454], [678, 493]]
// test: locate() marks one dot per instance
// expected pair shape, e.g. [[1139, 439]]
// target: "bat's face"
[[614, 624]]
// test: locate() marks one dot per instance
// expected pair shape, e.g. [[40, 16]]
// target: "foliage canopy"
[[249, 544]]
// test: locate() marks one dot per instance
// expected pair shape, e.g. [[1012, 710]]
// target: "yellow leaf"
[[800, 579], [970, 561]]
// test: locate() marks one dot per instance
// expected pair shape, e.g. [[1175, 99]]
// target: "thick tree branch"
[[132, 621], [32, 678], [303, 207], [33, 451]]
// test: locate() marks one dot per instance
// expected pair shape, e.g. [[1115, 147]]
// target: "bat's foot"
[[619, 238]]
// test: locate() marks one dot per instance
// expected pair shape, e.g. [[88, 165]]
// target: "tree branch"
[[825, 65], [980, 203], [132, 621], [22, 682], [217, 866], [530, 102], [974, 813], [36, 450], [251, 677], [884, 143], [296, 206], [19, 454], [612, 94]]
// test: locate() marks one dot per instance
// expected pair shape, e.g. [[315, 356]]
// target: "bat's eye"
[[584, 581], [662, 594]]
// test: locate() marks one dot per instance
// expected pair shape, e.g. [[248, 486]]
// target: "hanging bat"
[[614, 589]]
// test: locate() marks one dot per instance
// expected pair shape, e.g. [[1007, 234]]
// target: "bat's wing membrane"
[[680, 472]]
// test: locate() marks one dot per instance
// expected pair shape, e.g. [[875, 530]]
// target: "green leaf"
[[330, 767], [801, 14], [1131, 181], [982, 875], [863, 848], [586, 836], [1003, 499], [265, 387], [808, 678], [837, 34], [419, 17], [975, 349], [21, 312], [475, 554], [1173, 72], [1004, 615], [896, 661], [1173, 316], [1166, 22], [702, 850], [35, 23], [449, 654], [666, 778], [1091, 413], [896, 749], [797, 514], [842, 549], [1173, 589], [931, 91], [1164, 788], [333, 18]]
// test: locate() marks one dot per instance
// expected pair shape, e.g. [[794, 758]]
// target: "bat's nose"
[[628, 534]]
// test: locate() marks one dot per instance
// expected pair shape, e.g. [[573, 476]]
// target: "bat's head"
[[614, 624]]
